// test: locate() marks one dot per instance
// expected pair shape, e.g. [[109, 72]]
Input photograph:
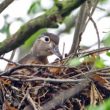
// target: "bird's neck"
[[42, 59], [32, 59], [39, 58]]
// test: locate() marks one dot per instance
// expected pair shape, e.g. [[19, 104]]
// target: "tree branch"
[[78, 31], [33, 78], [47, 20], [5, 4], [81, 24], [64, 95]]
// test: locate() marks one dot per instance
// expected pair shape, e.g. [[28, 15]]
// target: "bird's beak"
[[55, 51]]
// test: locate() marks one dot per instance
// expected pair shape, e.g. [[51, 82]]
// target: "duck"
[[44, 46]]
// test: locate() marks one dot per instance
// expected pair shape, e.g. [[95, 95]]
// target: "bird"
[[45, 45]]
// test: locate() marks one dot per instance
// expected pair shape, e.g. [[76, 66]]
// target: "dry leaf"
[[7, 106], [95, 96], [101, 81], [5, 81], [55, 70], [10, 66]]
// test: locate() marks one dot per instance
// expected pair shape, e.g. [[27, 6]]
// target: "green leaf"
[[106, 40], [107, 105], [103, 1], [34, 8], [5, 28], [108, 54], [99, 63], [30, 41], [28, 44], [104, 106], [74, 62]]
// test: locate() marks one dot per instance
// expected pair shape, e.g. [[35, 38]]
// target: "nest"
[[53, 86]]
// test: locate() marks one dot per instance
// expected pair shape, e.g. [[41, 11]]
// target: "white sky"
[[19, 9]]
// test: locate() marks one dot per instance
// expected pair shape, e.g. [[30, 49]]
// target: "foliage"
[[104, 106], [108, 54], [106, 40], [99, 63], [30, 41], [74, 62], [5, 28], [103, 1], [34, 8]]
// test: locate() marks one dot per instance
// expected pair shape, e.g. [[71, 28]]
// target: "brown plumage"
[[45, 45]]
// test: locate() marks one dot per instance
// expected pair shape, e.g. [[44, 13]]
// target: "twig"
[[28, 97], [11, 58], [5, 4], [97, 32], [82, 21], [13, 54], [29, 79], [93, 51], [92, 72], [78, 30], [63, 49], [9, 61], [32, 103], [86, 53], [104, 74], [91, 5], [25, 96], [8, 72]]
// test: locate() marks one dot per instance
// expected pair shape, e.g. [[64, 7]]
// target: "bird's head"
[[45, 45]]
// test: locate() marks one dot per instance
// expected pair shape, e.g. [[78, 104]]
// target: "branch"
[[79, 27], [22, 66], [9, 61], [5, 4], [60, 98], [86, 53], [82, 21], [33, 78], [48, 20], [97, 31]]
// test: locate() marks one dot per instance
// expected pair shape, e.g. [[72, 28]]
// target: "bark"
[[82, 21], [5, 4]]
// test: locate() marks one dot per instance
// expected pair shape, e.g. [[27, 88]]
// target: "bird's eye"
[[46, 39]]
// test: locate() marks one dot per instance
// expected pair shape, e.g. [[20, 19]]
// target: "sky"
[[19, 9]]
